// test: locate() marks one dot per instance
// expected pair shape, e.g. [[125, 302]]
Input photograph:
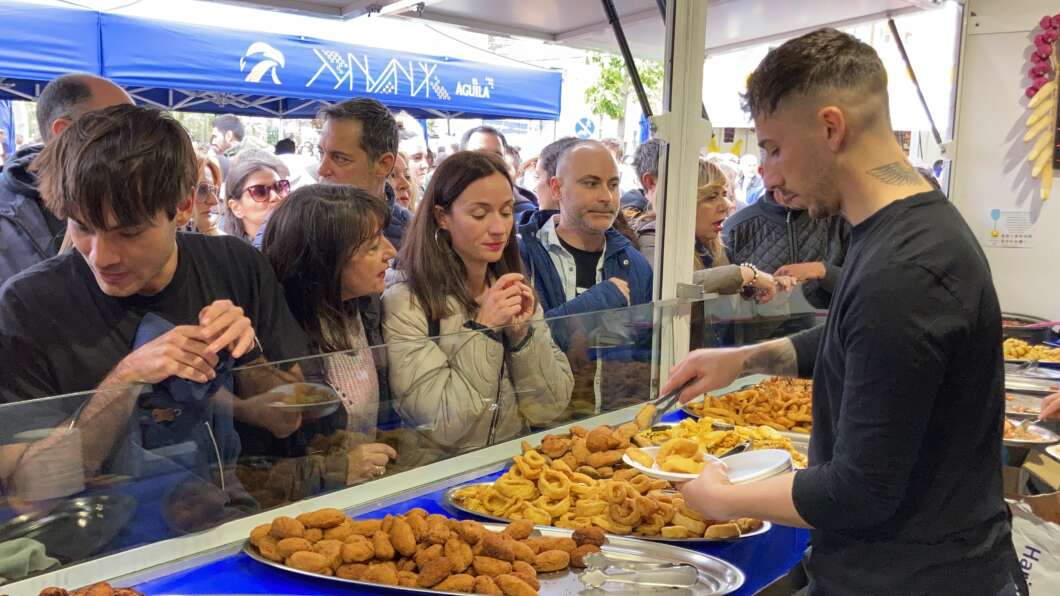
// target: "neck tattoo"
[[897, 173]]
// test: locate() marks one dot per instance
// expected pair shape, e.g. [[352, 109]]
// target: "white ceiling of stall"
[[582, 23]]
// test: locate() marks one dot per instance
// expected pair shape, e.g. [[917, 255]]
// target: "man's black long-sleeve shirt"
[[904, 489]]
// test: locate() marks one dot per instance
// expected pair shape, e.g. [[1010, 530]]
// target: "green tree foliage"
[[609, 94]]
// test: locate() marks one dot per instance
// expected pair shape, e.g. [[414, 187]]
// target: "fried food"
[[351, 571], [1017, 349], [722, 531], [681, 465], [645, 415], [434, 572], [381, 573], [309, 561], [523, 552], [676, 532], [267, 548], [365, 527], [514, 586], [314, 535], [555, 446], [588, 535], [340, 532], [749, 524], [493, 545], [780, 403], [577, 558], [460, 582], [419, 526], [459, 553], [719, 442], [357, 549], [491, 567], [322, 518], [407, 579], [604, 459], [286, 527], [529, 579], [470, 531], [638, 455], [599, 439], [1013, 431], [289, 546], [428, 554], [524, 568], [552, 560], [332, 549], [384, 551], [485, 585], [678, 447], [402, 538], [520, 529]]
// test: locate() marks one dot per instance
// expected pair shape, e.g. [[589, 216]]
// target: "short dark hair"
[[284, 146], [310, 238], [127, 160], [59, 99], [825, 60], [486, 130], [379, 129], [646, 158], [548, 159], [230, 123]]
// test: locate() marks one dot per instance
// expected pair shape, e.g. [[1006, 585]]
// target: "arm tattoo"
[[897, 173], [773, 358]]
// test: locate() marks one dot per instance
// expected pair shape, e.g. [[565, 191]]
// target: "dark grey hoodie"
[[29, 233]]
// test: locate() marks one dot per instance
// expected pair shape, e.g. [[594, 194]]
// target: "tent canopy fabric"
[[207, 69]]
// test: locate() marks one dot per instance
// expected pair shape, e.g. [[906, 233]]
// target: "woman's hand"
[[700, 493], [368, 461], [1051, 407], [518, 327], [501, 302]]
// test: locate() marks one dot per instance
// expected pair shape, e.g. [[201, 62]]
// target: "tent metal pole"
[[627, 56]]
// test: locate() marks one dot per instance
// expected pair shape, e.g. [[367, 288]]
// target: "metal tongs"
[[665, 402], [602, 569]]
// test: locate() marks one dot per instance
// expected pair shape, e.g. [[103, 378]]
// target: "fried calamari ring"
[[650, 526], [536, 514], [683, 447], [624, 513], [525, 469], [582, 485], [553, 508], [495, 502], [590, 508], [609, 525], [645, 506], [562, 467], [521, 488], [625, 475], [681, 465], [554, 485], [613, 492], [642, 483]]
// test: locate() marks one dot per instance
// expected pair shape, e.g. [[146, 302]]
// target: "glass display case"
[[126, 479]]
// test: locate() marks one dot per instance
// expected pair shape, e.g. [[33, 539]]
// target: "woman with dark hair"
[[491, 374], [326, 244], [207, 198], [256, 184]]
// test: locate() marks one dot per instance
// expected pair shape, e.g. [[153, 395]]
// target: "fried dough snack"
[[472, 558], [719, 442], [1017, 349], [780, 403]]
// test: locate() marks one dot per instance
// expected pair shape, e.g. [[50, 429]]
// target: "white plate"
[[743, 467], [1047, 436], [1053, 450]]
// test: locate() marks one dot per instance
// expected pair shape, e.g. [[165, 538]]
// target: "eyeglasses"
[[260, 192], [205, 191]]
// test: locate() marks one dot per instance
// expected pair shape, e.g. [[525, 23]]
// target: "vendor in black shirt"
[[903, 492], [123, 178]]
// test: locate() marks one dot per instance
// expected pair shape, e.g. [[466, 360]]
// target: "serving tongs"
[[673, 576], [664, 403]]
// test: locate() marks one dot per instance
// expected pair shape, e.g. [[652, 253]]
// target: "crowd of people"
[[183, 290]]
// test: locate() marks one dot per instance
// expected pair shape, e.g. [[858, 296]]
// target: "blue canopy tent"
[[207, 69]]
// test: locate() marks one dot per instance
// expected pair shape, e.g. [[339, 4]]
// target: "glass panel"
[[100, 472]]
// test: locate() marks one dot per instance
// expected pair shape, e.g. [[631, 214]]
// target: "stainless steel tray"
[[716, 576], [1021, 405], [76, 529], [448, 500]]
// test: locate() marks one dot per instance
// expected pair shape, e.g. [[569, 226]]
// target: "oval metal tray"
[[448, 500], [716, 576]]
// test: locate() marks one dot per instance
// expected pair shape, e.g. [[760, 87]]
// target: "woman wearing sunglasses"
[[257, 183], [207, 198]]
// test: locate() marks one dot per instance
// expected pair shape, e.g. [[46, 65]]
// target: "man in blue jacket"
[[578, 261], [30, 234]]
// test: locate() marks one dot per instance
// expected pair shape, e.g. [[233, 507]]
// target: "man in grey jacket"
[[29, 233]]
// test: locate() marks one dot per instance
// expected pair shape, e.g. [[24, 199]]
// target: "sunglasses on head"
[[260, 192]]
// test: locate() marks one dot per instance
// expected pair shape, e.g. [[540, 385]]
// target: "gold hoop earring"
[[437, 242]]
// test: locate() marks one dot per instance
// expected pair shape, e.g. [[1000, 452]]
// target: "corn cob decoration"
[[1043, 94]]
